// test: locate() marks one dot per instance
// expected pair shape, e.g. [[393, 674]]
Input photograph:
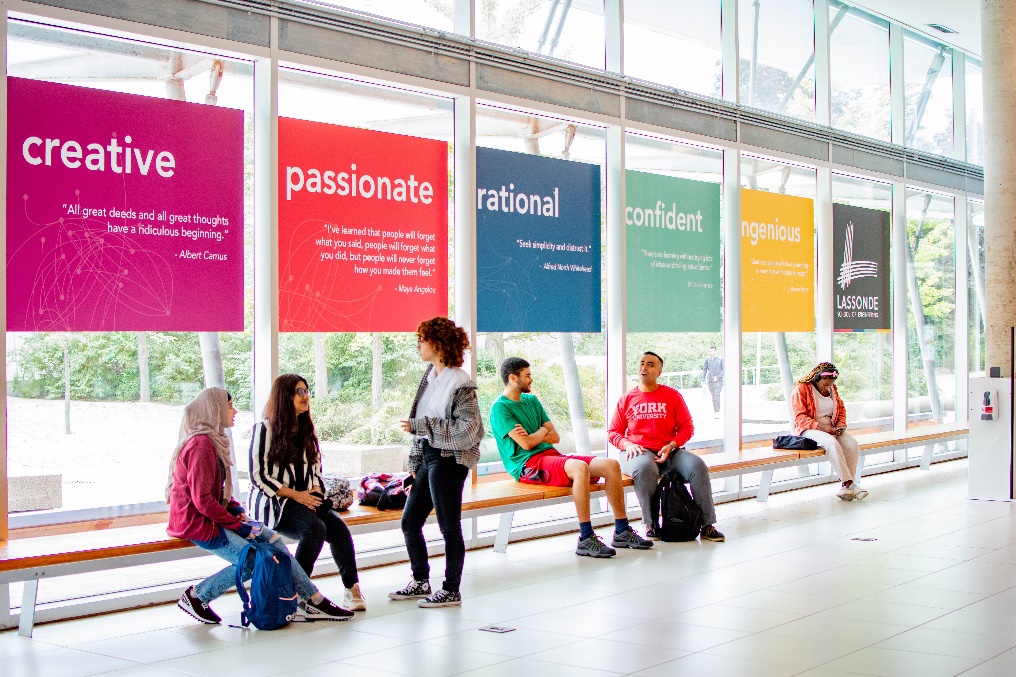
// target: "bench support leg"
[[860, 469], [28, 598], [763, 486], [929, 450], [504, 530], [5, 605]]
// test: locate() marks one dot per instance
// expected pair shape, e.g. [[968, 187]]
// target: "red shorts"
[[547, 467]]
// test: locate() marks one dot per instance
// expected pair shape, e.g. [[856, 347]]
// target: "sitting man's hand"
[[520, 430], [663, 454], [632, 450]]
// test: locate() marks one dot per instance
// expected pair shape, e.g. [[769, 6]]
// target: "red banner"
[[363, 229]]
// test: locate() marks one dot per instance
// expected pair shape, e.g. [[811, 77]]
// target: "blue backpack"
[[272, 600]]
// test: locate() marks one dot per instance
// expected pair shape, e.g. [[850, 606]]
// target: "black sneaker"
[[441, 598], [190, 603], [629, 539], [651, 534], [325, 610], [709, 533], [415, 590], [594, 547]]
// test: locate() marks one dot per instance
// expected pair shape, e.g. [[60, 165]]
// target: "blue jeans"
[[228, 546]]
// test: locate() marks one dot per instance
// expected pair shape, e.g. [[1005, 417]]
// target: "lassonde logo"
[[850, 269]]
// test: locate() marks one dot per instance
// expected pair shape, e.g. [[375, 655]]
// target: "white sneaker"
[[859, 493], [353, 599], [847, 493]]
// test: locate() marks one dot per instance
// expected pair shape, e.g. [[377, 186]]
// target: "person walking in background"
[[819, 415], [202, 510], [650, 427], [447, 429], [286, 488], [712, 378]]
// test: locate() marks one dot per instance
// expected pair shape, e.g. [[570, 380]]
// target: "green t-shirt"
[[504, 414]]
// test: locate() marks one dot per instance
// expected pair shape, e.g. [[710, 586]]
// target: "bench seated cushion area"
[[30, 559]]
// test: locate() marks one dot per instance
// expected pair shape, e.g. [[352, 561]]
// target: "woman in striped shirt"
[[286, 487]]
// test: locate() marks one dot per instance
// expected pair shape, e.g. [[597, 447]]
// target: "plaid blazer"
[[458, 434]]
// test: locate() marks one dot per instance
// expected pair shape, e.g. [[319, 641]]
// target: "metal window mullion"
[[962, 322], [729, 50], [959, 83], [899, 304], [266, 219], [823, 78], [3, 293], [617, 321], [897, 84], [824, 265], [732, 299]]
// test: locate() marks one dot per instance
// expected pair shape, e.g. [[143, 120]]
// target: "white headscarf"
[[207, 414]]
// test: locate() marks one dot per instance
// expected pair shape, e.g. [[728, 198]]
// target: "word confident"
[[363, 185], [37, 151], [506, 200], [770, 231], [659, 217]]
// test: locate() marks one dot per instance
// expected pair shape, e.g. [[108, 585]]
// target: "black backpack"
[[675, 515]]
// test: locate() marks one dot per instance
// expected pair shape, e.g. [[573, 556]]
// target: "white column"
[[825, 267], [897, 93], [465, 221], [962, 321], [998, 43], [266, 221], [732, 300], [617, 379], [959, 80], [3, 284], [899, 296], [728, 45]]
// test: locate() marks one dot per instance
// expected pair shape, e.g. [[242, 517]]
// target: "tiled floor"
[[790, 593]]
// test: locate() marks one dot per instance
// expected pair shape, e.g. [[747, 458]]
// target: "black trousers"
[[301, 523], [438, 487]]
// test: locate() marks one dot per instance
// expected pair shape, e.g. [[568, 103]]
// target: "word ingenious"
[[659, 217], [363, 186], [38, 151], [507, 200], [770, 231]]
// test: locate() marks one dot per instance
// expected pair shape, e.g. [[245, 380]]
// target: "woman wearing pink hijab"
[[202, 510]]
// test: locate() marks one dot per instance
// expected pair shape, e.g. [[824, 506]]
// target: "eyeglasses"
[[303, 392]]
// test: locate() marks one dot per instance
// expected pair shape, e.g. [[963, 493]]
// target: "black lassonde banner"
[[861, 289]]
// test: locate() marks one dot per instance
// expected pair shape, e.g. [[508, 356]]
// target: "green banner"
[[673, 254]]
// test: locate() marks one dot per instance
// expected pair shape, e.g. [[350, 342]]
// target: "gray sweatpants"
[[645, 472]]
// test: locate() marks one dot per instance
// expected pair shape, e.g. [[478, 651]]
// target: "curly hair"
[[813, 375], [293, 436], [450, 341]]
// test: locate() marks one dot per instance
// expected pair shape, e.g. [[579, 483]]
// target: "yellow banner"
[[777, 262]]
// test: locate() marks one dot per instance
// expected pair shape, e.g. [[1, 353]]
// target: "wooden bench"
[[29, 560]]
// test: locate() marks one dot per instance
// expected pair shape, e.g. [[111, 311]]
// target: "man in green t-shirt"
[[525, 438]]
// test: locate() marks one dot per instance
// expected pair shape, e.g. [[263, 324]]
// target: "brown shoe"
[[709, 533]]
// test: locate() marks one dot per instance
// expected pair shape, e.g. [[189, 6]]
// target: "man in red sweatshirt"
[[649, 427]]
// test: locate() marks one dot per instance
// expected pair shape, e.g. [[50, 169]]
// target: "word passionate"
[[122, 160], [363, 185], [770, 231], [506, 200], [659, 217]]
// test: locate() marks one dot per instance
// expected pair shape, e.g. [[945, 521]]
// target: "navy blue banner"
[[537, 243]]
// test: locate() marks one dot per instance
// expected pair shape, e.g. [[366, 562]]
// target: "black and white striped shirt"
[[267, 478]]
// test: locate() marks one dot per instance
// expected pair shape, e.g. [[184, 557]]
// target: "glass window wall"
[[659, 33], [928, 79], [931, 303], [859, 72], [777, 56], [571, 30], [975, 286]]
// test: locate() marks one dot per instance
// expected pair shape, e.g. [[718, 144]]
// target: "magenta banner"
[[124, 212]]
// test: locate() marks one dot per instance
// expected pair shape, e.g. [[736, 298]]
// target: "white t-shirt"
[[825, 405], [437, 395]]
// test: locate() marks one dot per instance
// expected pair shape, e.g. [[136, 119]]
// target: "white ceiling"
[[963, 16]]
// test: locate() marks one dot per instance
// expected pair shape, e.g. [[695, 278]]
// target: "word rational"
[[506, 200]]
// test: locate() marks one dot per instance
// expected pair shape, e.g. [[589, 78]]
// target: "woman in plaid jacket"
[[819, 414], [447, 429]]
